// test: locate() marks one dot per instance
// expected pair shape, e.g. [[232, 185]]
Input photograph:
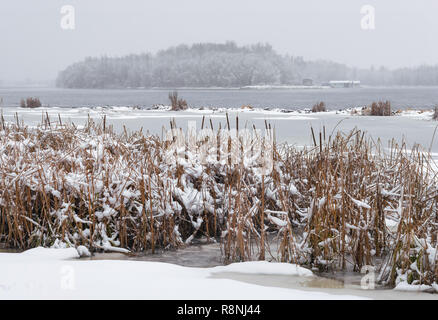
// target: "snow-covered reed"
[[343, 203]]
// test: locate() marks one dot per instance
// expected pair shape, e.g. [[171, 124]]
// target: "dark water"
[[196, 256], [401, 97]]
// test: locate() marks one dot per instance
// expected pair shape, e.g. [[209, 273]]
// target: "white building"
[[344, 84]]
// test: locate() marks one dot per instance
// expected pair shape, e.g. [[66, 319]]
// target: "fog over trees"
[[226, 65]]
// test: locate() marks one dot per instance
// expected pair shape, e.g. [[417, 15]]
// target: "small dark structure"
[[307, 82]]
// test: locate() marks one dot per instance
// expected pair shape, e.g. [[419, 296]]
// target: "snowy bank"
[[56, 274]]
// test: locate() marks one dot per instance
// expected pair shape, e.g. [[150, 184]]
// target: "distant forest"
[[226, 65]]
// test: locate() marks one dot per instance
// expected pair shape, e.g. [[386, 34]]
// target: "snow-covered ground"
[[270, 87], [58, 274], [43, 273]]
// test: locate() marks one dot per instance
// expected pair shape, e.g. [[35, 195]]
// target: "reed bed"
[[319, 107], [380, 108], [344, 203], [30, 103]]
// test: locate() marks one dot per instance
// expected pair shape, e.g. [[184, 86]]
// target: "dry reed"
[[342, 204]]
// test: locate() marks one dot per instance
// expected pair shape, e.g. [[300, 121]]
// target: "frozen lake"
[[400, 97], [289, 127], [76, 104]]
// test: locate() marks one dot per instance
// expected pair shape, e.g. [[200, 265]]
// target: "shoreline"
[[352, 111]]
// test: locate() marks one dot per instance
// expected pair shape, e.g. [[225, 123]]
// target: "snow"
[[264, 267], [404, 286], [361, 204], [58, 274], [278, 222], [417, 114], [392, 225], [295, 117], [41, 254], [270, 87], [83, 251]]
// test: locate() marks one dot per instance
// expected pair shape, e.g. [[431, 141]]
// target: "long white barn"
[[344, 84]]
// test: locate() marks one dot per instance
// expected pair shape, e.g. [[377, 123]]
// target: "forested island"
[[227, 65]]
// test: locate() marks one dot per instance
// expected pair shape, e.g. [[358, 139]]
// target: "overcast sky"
[[33, 45]]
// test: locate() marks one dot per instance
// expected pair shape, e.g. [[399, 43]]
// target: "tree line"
[[226, 65]]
